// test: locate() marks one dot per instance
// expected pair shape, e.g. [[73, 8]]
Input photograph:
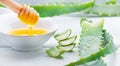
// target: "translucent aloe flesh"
[[66, 48], [64, 35], [106, 46], [53, 10], [54, 52], [90, 38], [68, 41]]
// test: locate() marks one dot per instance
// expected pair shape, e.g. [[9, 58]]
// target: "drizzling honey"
[[26, 32], [29, 17]]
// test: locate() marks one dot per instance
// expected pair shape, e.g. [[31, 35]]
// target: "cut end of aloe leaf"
[[68, 41], [90, 38], [64, 35], [54, 52], [66, 48], [95, 45], [91, 28]]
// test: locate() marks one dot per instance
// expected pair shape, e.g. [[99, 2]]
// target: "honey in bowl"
[[28, 32]]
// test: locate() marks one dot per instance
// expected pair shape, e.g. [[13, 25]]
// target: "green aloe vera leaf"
[[1, 5], [53, 10], [64, 35], [111, 2], [68, 41], [66, 48], [98, 62], [104, 10], [90, 38], [105, 50], [54, 52]]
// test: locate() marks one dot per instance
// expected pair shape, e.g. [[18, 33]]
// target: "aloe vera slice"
[[68, 41], [63, 35], [54, 52], [49, 10], [105, 50], [90, 38], [66, 48]]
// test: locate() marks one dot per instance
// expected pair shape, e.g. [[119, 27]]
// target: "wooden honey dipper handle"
[[26, 14], [14, 6]]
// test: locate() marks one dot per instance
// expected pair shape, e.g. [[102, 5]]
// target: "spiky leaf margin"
[[109, 8], [90, 38], [107, 49], [54, 9]]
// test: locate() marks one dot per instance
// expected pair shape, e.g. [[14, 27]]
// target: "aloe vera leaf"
[[66, 48], [111, 2], [64, 35], [54, 52], [90, 38], [105, 50], [1, 5], [53, 10], [98, 62], [68, 41], [104, 10]]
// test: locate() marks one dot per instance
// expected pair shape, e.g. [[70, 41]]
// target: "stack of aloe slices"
[[66, 44], [95, 43]]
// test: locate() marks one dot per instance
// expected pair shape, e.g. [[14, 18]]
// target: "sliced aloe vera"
[[108, 48], [90, 38], [54, 52], [68, 41], [94, 43], [63, 35], [66, 48]]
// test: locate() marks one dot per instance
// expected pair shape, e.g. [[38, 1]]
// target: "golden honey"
[[29, 18], [27, 32]]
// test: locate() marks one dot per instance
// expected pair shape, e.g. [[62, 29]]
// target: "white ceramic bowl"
[[24, 43]]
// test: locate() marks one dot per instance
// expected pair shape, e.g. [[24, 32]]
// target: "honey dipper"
[[26, 14]]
